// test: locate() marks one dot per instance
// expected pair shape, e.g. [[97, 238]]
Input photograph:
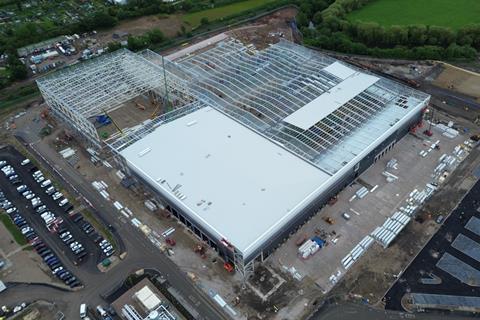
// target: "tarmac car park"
[[48, 256], [58, 215], [30, 204]]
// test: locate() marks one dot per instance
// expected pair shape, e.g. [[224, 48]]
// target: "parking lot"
[[48, 219]]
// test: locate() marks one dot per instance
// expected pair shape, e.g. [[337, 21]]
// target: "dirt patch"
[[264, 280], [169, 25], [267, 30], [459, 80], [266, 309], [40, 310]]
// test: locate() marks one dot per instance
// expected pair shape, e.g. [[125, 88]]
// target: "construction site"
[[329, 160]]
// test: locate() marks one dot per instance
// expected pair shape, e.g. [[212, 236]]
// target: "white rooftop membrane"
[[229, 179], [331, 100], [339, 70]]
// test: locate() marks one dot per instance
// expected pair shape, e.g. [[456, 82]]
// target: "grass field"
[[193, 19], [447, 13], [12, 228]]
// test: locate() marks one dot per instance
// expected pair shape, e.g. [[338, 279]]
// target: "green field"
[[193, 19], [12, 228], [447, 13]]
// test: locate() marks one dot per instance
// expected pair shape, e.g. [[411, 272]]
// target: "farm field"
[[447, 13], [193, 19]]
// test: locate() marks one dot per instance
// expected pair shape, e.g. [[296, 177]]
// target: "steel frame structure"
[[261, 88], [85, 90], [257, 88]]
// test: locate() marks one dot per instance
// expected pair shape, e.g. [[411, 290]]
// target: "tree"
[[114, 46], [204, 21], [101, 20], [155, 36], [417, 35], [18, 72], [302, 20], [317, 18], [136, 43], [187, 5]]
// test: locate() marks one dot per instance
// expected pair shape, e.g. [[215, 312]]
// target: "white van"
[[63, 202], [83, 310], [101, 311], [45, 183], [37, 173]]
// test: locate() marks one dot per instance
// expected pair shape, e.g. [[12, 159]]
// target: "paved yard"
[[366, 214]]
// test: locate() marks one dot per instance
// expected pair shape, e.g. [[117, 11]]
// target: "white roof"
[[147, 298], [320, 107], [339, 70], [231, 180]]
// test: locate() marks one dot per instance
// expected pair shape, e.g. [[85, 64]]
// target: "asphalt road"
[[141, 254]]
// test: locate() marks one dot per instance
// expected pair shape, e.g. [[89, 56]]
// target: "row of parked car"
[[105, 245], [47, 254]]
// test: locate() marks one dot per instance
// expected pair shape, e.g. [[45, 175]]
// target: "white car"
[[26, 230], [12, 209], [49, 220], [45, 183], [63, 202], [65, 234], [40, 179], [25, 162], [47, 215], [30, 196], [57, 196], [37, 174]]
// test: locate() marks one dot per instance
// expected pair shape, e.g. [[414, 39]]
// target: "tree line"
[[333, 31]]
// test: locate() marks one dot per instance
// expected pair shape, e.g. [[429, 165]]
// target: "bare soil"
[[267, 30], [169, 25], [462, 81]]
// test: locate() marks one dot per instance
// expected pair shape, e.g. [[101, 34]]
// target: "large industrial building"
[[254, 141]]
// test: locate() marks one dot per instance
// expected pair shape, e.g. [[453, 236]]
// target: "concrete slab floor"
[[366, 214]]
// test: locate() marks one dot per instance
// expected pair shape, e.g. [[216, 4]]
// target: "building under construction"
[[250, 143]]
